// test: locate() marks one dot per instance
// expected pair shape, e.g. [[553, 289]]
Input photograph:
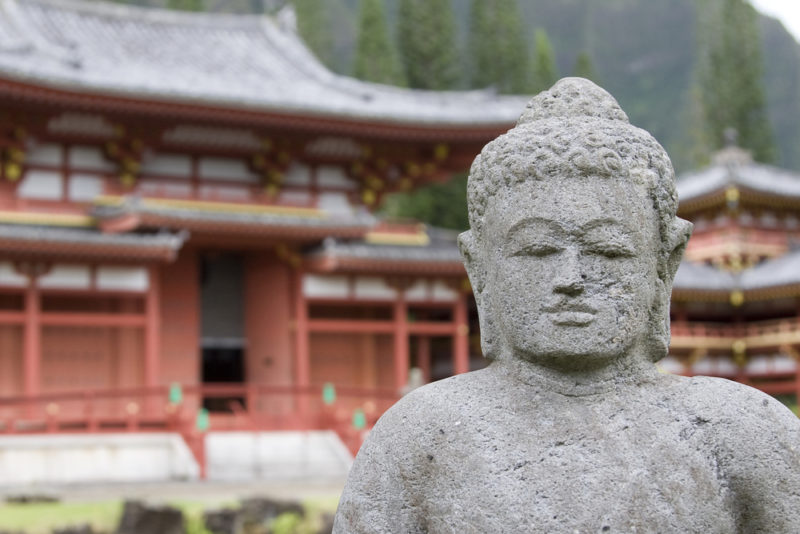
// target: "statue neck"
[[626, 372]]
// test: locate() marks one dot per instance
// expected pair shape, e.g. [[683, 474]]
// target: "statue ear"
[[472, 261], [679, 232]]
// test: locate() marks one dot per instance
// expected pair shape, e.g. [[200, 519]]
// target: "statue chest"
[[624, 476]]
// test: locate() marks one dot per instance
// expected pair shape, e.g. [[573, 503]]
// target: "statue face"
[[571, 275]]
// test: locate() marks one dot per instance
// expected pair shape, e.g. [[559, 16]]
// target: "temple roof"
[[702, 277], [245, 62], [733, 166], [49, 241]]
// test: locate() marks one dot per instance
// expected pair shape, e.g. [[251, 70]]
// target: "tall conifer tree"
[[730, 77], [376, 58], [545, 72], [313, 25], [498, 51], [427, 42], [584, 67]]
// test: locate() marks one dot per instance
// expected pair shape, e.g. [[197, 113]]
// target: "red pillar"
[[401, 360], [302, 355], [461, 337], [152, 344], [32, 365], [424, 357]]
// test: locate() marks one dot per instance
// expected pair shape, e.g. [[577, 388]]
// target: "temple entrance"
[[222, 327]]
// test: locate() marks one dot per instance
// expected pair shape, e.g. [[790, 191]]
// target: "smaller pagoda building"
[[736, 298]]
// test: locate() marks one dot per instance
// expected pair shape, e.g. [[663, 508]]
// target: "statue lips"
[[571, 314]]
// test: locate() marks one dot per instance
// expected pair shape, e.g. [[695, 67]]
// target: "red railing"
[[231, 407]]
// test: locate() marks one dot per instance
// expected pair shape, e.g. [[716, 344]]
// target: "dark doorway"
[[222, 345]]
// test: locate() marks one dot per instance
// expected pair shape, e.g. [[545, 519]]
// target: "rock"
[[572, 249], [31, 498], [260, 510], [225, 521], [327, 524], [80, 529], [138, 518]]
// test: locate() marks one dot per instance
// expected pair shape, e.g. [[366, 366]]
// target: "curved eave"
[[65, 250], [52, 95], [343, 264]]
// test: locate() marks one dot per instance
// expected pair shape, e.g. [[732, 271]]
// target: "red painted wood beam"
[[302, 353], [92, 319], [461, 337], [401, 356], [152, 344], [32, 353]]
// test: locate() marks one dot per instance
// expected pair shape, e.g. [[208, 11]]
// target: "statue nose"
[[569, 279]]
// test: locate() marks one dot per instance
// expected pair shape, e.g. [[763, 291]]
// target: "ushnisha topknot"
[[572, 98]]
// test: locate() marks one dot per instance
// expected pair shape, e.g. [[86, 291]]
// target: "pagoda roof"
[[126, 213], [54, 242], [240, 62], [693, 276], [733, 167], [437, 254]]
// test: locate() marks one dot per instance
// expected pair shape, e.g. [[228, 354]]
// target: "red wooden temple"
[[186, 220]]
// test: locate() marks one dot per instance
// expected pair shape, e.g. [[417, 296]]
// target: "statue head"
[[574, 241]]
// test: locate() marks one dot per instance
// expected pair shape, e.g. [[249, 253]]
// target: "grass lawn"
[[41, 518]]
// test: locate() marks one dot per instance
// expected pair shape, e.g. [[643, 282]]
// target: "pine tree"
[[584, 67], [497, 46], [185, 5], [376, 59], [730, 76], [427, 43], [313, 25], [545, 73]]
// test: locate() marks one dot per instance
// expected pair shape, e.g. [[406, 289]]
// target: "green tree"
[[545, 72], [584, 67], [314, 27], [729, 76], [427, 42], [443, 205], [376, 58], [498, 51], [186, 5]]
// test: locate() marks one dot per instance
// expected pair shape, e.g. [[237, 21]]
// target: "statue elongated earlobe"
[[679, 232], [468, 248]]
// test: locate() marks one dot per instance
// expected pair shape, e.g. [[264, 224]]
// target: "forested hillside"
[[643, 52]]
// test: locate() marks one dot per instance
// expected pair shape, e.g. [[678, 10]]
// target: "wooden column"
[[32, 359], [302, 356], [401, 359], [152, 342], [461, 336], [424, 357]]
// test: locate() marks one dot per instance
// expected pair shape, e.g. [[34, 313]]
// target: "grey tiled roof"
[[442, 248], [702, 277], [783, 271], [236, 61], [89, 236], [749, 175], [134, 205]]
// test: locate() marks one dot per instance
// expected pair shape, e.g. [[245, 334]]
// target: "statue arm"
[[764, 467], [377, 498]]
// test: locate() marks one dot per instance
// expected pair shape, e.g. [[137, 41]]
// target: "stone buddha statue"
[[572, 250]]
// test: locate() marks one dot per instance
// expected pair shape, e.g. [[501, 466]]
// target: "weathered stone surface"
[[80, 529], [571, 253], [138, 518], [225, 521]]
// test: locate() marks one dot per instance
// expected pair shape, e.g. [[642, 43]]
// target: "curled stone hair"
[[576, 128]]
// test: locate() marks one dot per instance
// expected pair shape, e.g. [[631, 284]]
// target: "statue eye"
[[612, 251], [537, 249]]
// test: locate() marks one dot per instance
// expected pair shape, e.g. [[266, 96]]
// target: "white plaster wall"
[[443, 292], [335, 203], [671, 365], [89, 157], [92, 458], [373, 287], [84, 187], [330, 176], [63, 276], [172, 164], [45, 154], [325, 286], [297, 174], [417, 291], [45, 185], [276, 456], [297, 197], [10, 277], [226, 169], [231, 192], [123, 278]]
